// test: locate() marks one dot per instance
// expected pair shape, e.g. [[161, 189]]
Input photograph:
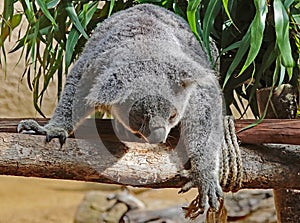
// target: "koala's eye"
[[172, 116]]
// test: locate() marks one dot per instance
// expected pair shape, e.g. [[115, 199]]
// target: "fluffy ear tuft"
[[108, 90]]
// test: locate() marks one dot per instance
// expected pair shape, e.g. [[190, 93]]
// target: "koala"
[[145, 67]]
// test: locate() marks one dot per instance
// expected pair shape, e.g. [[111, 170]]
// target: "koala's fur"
[[146, 58]]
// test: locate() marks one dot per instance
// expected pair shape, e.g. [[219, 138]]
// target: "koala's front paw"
[[56, 132], [208, 188], [32, 127]]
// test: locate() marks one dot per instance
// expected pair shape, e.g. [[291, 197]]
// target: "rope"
[[231, 169]]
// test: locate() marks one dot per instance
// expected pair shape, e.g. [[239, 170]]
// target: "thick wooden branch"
[[108, 160]]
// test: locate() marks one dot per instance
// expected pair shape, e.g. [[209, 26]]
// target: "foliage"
[[259, 40], [56, 31]]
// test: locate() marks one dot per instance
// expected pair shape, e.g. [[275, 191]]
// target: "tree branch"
[[137, 164]]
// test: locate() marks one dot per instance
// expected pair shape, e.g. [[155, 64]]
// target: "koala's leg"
[[202, 132], [71, 107]]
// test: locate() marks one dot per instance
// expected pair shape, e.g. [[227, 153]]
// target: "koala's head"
[[152, 117]]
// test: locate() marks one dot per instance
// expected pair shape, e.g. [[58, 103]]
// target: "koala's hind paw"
[[208, 189], [32, 127]]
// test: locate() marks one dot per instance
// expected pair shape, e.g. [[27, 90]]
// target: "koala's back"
[[144, 24], [147, 49]]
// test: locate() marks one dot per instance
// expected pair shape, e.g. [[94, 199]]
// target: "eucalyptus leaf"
[[74, 34], [257, 31], [225, 5], [44, 9], [245, 44], [281, 20], [111, 7], [74, 18], [212, 11], [191, 16], [52, 3]]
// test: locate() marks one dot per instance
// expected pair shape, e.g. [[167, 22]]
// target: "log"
[[108, 160], [281, 131]]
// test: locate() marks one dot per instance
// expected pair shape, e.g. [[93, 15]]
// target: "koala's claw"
[[186, 187], [209, 191], [32, 127]]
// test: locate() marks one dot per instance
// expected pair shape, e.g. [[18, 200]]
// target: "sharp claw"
[[48, 138], [62, 140], [20, 128], [186, 187], [194, 209]]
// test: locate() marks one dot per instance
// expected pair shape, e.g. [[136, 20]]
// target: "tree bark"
[[108, 160]]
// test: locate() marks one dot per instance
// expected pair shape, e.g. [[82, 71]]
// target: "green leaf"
[[281, 75], [15, 21], [74, 18], [296, 18], [225, 5], [46, 12], [36, 93], [111, 7], [29, 12], [8, 9], [55, 64], [245, 43], [84, 17], [52, 3], [193, 5], [70, 45], [268, 58], [210, 15], [231, 47], [7, 28], [288, 3], [257, 31], [149, 1], [281, 19], [191, 16]]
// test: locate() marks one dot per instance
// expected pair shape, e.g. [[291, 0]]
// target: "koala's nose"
[[157, 135]]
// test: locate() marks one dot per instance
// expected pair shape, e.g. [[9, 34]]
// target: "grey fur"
[[146, 67]]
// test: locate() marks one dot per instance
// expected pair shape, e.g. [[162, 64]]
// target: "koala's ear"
[[108, 90], [188, 83], [184, 86]]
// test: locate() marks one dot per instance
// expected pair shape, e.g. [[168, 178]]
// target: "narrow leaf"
[[225, 5], [74, 35], [245, 43], [111, 7], [288, 3], [257, 32], [74, 18], [281, 19], [231, 47], [52, 3], [45, 10], [210, 15], [8, 9], [191, 16]]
